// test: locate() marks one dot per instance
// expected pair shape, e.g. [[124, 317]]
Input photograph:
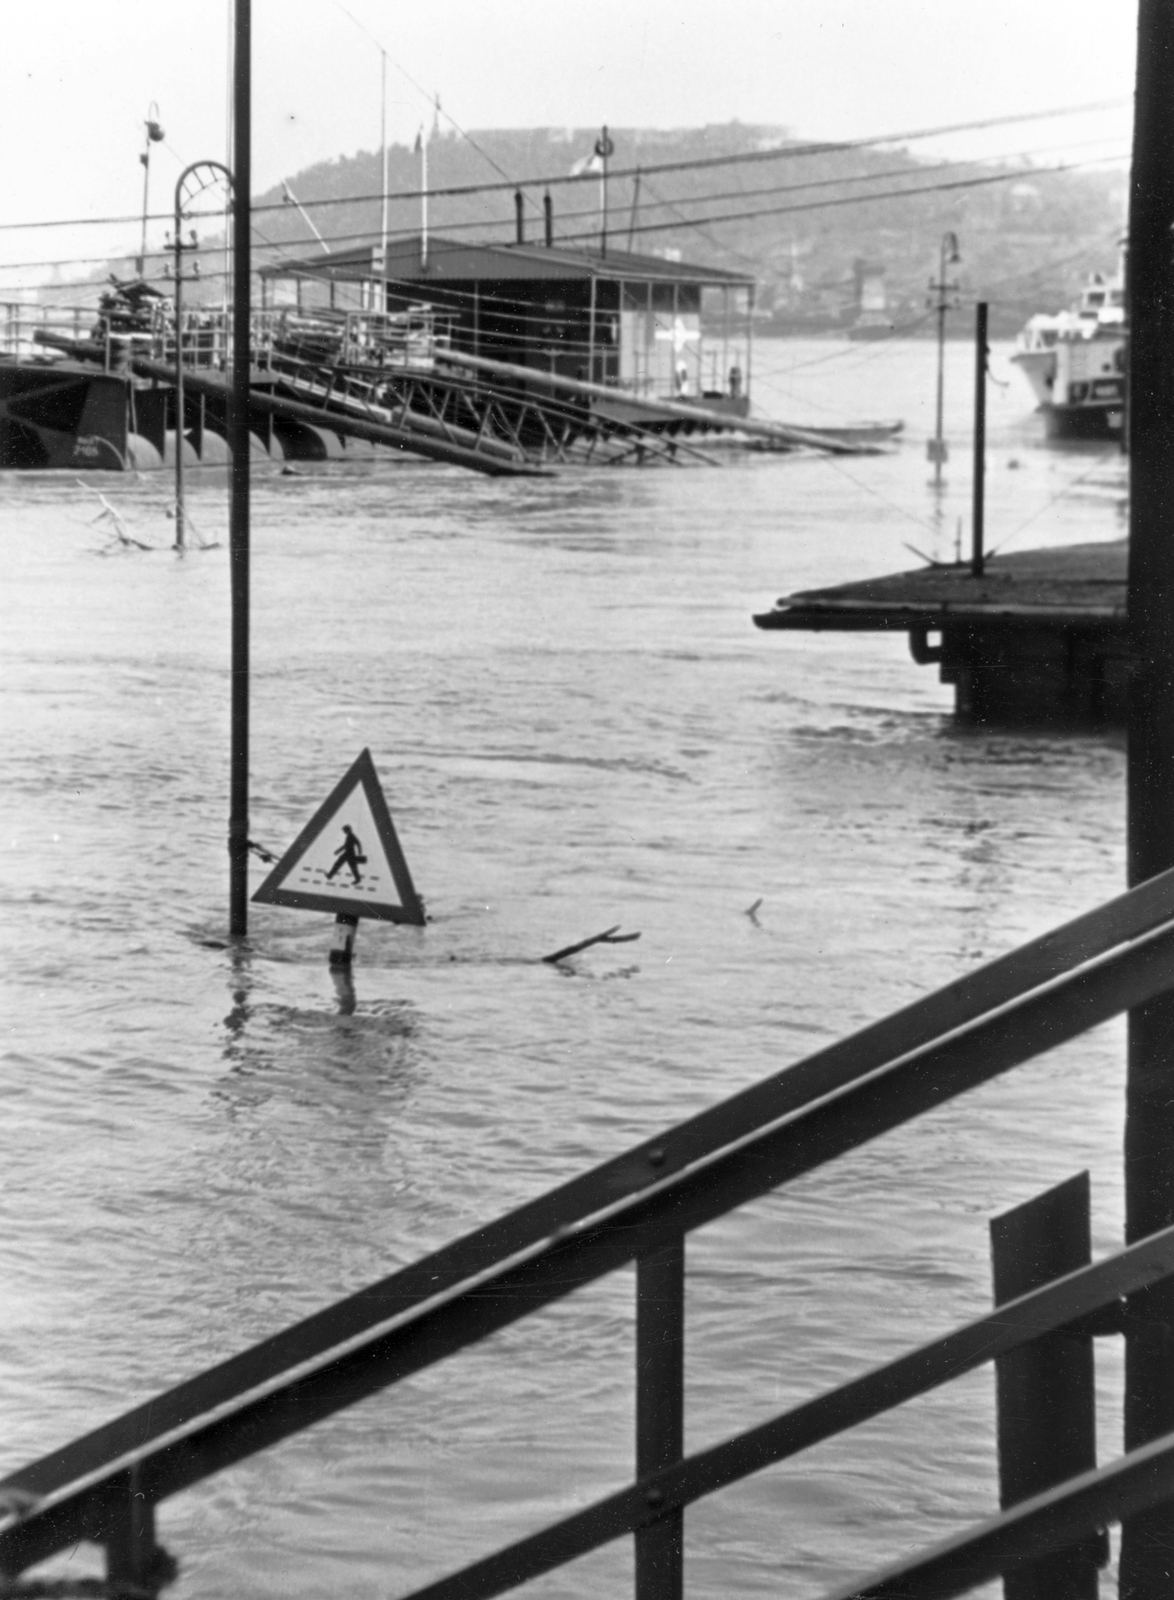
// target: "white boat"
[[1075, 362]]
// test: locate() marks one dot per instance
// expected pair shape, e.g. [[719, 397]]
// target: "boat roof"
[[458, 260]]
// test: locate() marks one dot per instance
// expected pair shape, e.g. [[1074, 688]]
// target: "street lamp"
[[947, 293], [154, 135]]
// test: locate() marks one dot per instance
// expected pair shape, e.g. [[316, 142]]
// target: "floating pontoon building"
[[655, 328]]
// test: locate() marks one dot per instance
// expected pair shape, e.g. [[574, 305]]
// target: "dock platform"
[[1040, 637]]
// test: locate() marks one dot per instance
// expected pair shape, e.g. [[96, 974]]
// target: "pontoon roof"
[[453, 260]]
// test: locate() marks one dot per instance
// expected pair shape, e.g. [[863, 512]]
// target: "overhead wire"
[[468, 225], [905, 192], [698, 163]]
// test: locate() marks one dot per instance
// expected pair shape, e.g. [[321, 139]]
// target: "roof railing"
[[638, 1206]]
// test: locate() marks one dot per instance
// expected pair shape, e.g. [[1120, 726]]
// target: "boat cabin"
[[656, 328]]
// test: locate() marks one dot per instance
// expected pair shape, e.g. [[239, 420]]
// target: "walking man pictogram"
[[349, 854]]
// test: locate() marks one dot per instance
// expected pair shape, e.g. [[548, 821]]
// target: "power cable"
[[782, 153], [982, 180], [657, 203]]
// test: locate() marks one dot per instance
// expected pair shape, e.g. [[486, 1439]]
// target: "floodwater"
[[576, 726]]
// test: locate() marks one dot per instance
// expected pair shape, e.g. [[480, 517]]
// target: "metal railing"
[[640, 1206], [21, 320]]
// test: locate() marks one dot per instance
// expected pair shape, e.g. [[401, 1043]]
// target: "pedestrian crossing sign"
[[347, 858]]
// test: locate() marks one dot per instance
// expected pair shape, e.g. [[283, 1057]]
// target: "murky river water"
[[576, 726]]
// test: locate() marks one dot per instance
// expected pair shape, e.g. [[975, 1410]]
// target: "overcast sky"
[[77, 78]]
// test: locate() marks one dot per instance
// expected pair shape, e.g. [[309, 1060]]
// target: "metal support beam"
[[1046, 1406], [660, 1410], [1149, 1123]]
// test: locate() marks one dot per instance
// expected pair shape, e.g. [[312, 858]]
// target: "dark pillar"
[[978, 512], [240, 445], [520, 216], [660, 1410], [1046, 1401], [1147, 1560]]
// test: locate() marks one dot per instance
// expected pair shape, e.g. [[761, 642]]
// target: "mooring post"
[[1045, 1390], [978, 503], [1147, 1540], [240, 445], [660, 1410]]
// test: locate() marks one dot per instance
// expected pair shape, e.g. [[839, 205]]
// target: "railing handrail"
[[1118, 922], [1047, 1522], [1048, 991], [1068, 1303]]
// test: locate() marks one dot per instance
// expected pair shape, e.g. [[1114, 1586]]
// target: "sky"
[[79, 77]]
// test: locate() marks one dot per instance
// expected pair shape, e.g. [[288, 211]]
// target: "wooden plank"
[[1046, 1405]]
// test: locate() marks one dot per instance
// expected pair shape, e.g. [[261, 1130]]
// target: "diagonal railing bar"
[[999, 983], [1063, 1303], [1035, 1527], [1048, 1016]]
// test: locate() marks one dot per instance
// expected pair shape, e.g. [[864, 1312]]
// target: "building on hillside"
[[657, 329]]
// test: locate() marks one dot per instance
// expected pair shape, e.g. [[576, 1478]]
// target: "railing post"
[[1046, 1400], [133, 1557], [660, 1409]]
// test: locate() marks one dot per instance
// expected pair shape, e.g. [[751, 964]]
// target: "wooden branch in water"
[[609, 936]]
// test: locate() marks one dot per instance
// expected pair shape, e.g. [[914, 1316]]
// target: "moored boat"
[[1075, 362]]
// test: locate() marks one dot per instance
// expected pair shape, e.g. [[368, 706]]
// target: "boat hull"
[[1105, 421], [63, 415]]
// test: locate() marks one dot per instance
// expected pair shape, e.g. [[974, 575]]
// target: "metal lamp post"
[[949, 256], [154, 135], [186, 190], [239, 443]]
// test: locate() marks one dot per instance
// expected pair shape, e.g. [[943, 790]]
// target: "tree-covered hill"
[[797, 220]]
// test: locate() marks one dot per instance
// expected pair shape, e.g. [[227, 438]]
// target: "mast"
[[383, 146], [423, 200]]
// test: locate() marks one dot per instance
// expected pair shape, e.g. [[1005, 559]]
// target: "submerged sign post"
[[348, 860]]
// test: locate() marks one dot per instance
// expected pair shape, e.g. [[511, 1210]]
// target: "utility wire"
[[656, 203], [983, 180], [781, 153]]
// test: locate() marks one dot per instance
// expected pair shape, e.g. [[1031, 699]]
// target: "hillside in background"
[[796, 220]]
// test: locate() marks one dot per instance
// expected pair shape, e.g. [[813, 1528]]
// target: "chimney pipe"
[[519, 216], [548, 216]]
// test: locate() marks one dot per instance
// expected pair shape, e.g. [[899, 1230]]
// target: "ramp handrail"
[[1071, 1303], [1039, 996]]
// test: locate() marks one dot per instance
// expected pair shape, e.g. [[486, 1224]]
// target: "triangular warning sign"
[[347, 858]]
